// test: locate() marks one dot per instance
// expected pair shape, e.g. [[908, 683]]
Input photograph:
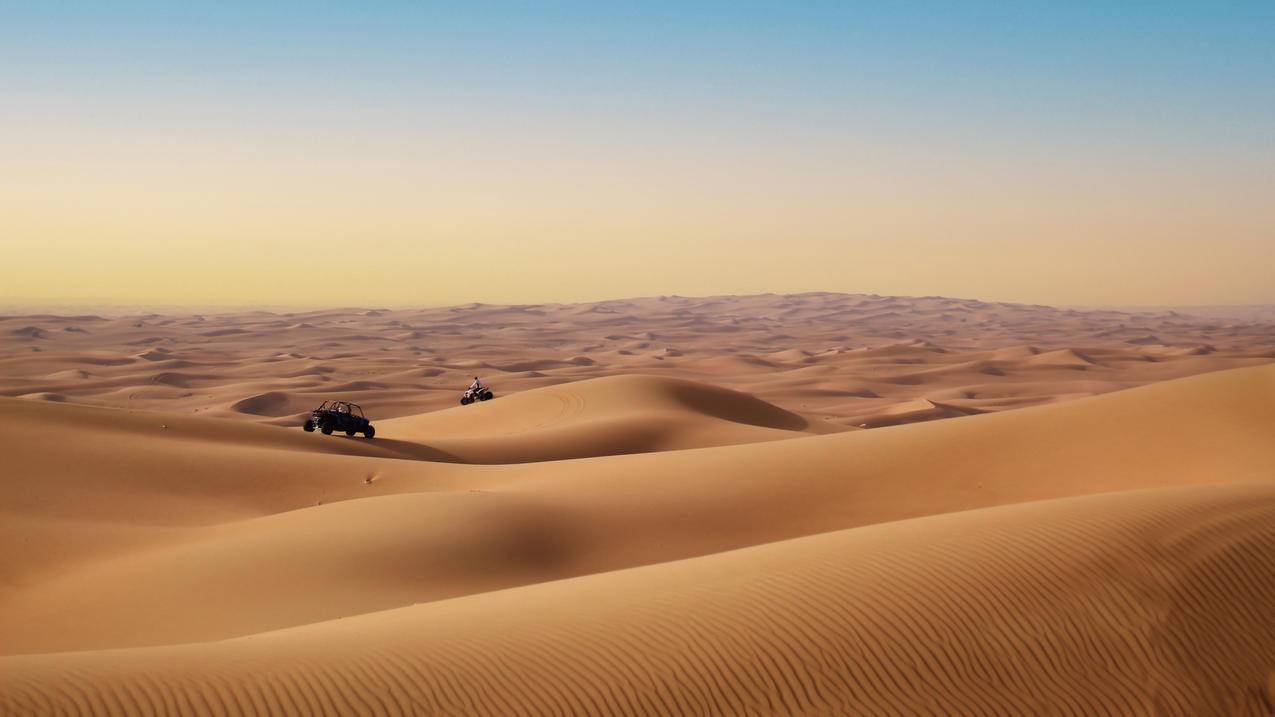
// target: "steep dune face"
[[271, 403], [1156, 602]]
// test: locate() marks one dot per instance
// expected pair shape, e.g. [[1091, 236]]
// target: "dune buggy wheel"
[[485, 396], [466, 400], [326, 428], [369, 432], [308, 426], [351, 433]]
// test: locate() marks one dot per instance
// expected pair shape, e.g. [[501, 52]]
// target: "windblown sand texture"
[[620, 532]]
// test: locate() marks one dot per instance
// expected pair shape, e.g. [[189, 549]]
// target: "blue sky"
[[988, 63], [1137, 94]]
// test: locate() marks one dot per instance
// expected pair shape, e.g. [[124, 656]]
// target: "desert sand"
[[814, 504]]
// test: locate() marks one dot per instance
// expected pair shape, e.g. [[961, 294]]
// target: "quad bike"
[[476, 394], [339, 416]]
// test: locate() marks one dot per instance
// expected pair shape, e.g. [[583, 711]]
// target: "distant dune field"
[[815, 504], [845, 360]]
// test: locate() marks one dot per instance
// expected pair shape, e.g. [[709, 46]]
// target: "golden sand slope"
[[1133, 603], [650, 583]]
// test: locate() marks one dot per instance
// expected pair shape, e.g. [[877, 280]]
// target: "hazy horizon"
[[27, 306], [416, 154]]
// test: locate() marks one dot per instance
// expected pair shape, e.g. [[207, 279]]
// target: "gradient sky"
[[425, 153]]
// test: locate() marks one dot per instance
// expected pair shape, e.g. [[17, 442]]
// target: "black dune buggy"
[[339, 416]]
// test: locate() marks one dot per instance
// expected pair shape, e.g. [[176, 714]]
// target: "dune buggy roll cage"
[[351, 408]]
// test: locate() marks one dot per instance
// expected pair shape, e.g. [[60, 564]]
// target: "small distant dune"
[[173, 378], [44, 396], [271, 403], [30, 332], [921, 409], [105, 360], [74, 374], [791, 356], [519, 366], [357, 386], [1014, 353], [1062, 358]]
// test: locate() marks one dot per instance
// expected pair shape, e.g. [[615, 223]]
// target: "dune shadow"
[[411, 450]]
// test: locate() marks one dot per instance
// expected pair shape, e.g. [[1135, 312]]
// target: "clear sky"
[[396, 153]]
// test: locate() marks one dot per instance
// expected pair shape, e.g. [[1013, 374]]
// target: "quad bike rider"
[[476, 392], [339, 416]]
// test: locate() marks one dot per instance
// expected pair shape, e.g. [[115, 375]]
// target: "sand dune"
[[647, 543], [1139, 614], [606, 416]]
